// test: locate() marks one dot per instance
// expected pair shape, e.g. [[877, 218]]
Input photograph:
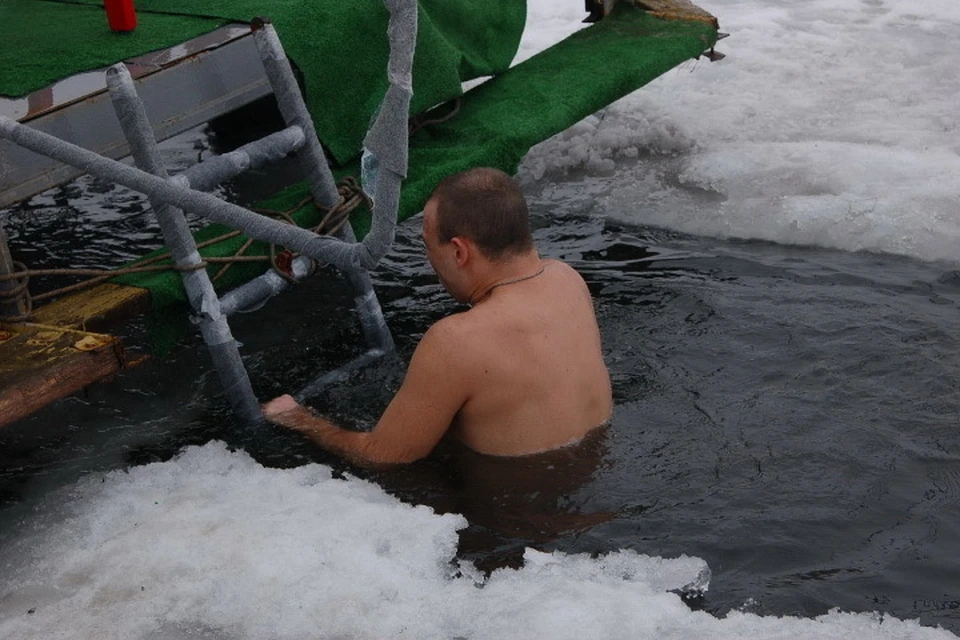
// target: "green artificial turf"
[[46, 41], [341, 47]]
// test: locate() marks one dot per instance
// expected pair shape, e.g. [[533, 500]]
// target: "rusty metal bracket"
[[712, 54]]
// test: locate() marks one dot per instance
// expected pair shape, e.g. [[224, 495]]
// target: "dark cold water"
[[787, 414]]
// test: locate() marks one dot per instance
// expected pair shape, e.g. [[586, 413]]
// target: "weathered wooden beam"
[[42, 363], [98, 309], [56, 355], [676, 10]]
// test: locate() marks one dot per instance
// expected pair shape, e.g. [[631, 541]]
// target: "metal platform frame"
[[182, 88]]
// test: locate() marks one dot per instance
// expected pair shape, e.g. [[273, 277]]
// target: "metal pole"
[[15, 309], [294, 112], [253, 294], [340, 374], [385, 159], [322, 186], [214, 171], [365, 302], [206, 305], [322, 248]]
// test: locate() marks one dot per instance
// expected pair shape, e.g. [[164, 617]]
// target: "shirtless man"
[[520, 372]]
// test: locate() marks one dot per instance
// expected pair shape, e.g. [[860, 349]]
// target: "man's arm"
[[352, 445], [432, 393]]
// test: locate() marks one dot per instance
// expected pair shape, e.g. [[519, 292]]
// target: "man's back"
[[521, 372], [532, 365]]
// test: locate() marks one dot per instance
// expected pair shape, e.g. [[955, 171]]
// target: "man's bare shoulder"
[[567, 275], [458, 339], [447, 336], [562, 268], [558, 263], [449, 350], [448, 328]]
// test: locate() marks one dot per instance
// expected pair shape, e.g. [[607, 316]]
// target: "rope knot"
[[351, 196]]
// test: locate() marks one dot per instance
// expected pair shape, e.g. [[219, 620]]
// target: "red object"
[[120, 15], [284, 262]]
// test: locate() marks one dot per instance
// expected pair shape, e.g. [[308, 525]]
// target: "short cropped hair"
[[486, 206]]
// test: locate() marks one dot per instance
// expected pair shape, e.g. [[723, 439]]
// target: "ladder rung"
[[214, 171], [251, 295]]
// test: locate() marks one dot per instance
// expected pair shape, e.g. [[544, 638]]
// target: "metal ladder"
[[384, 166]]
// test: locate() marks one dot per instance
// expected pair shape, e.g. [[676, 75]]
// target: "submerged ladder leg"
[[203, 299]]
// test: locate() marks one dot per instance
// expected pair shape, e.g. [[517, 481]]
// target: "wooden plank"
[[98, 309], [677, 10], [42, 363]]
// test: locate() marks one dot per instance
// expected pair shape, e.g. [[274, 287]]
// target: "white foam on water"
[[830, 122], [213, 545]]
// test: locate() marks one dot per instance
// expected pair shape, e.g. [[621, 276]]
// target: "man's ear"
[[461, 250]]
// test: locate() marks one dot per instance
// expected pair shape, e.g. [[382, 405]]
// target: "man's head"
[[474, 217], [486, 206]]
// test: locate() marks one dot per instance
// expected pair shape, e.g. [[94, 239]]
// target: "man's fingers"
[[280, 405]]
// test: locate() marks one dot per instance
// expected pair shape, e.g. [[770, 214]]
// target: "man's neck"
[[500, 274]]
